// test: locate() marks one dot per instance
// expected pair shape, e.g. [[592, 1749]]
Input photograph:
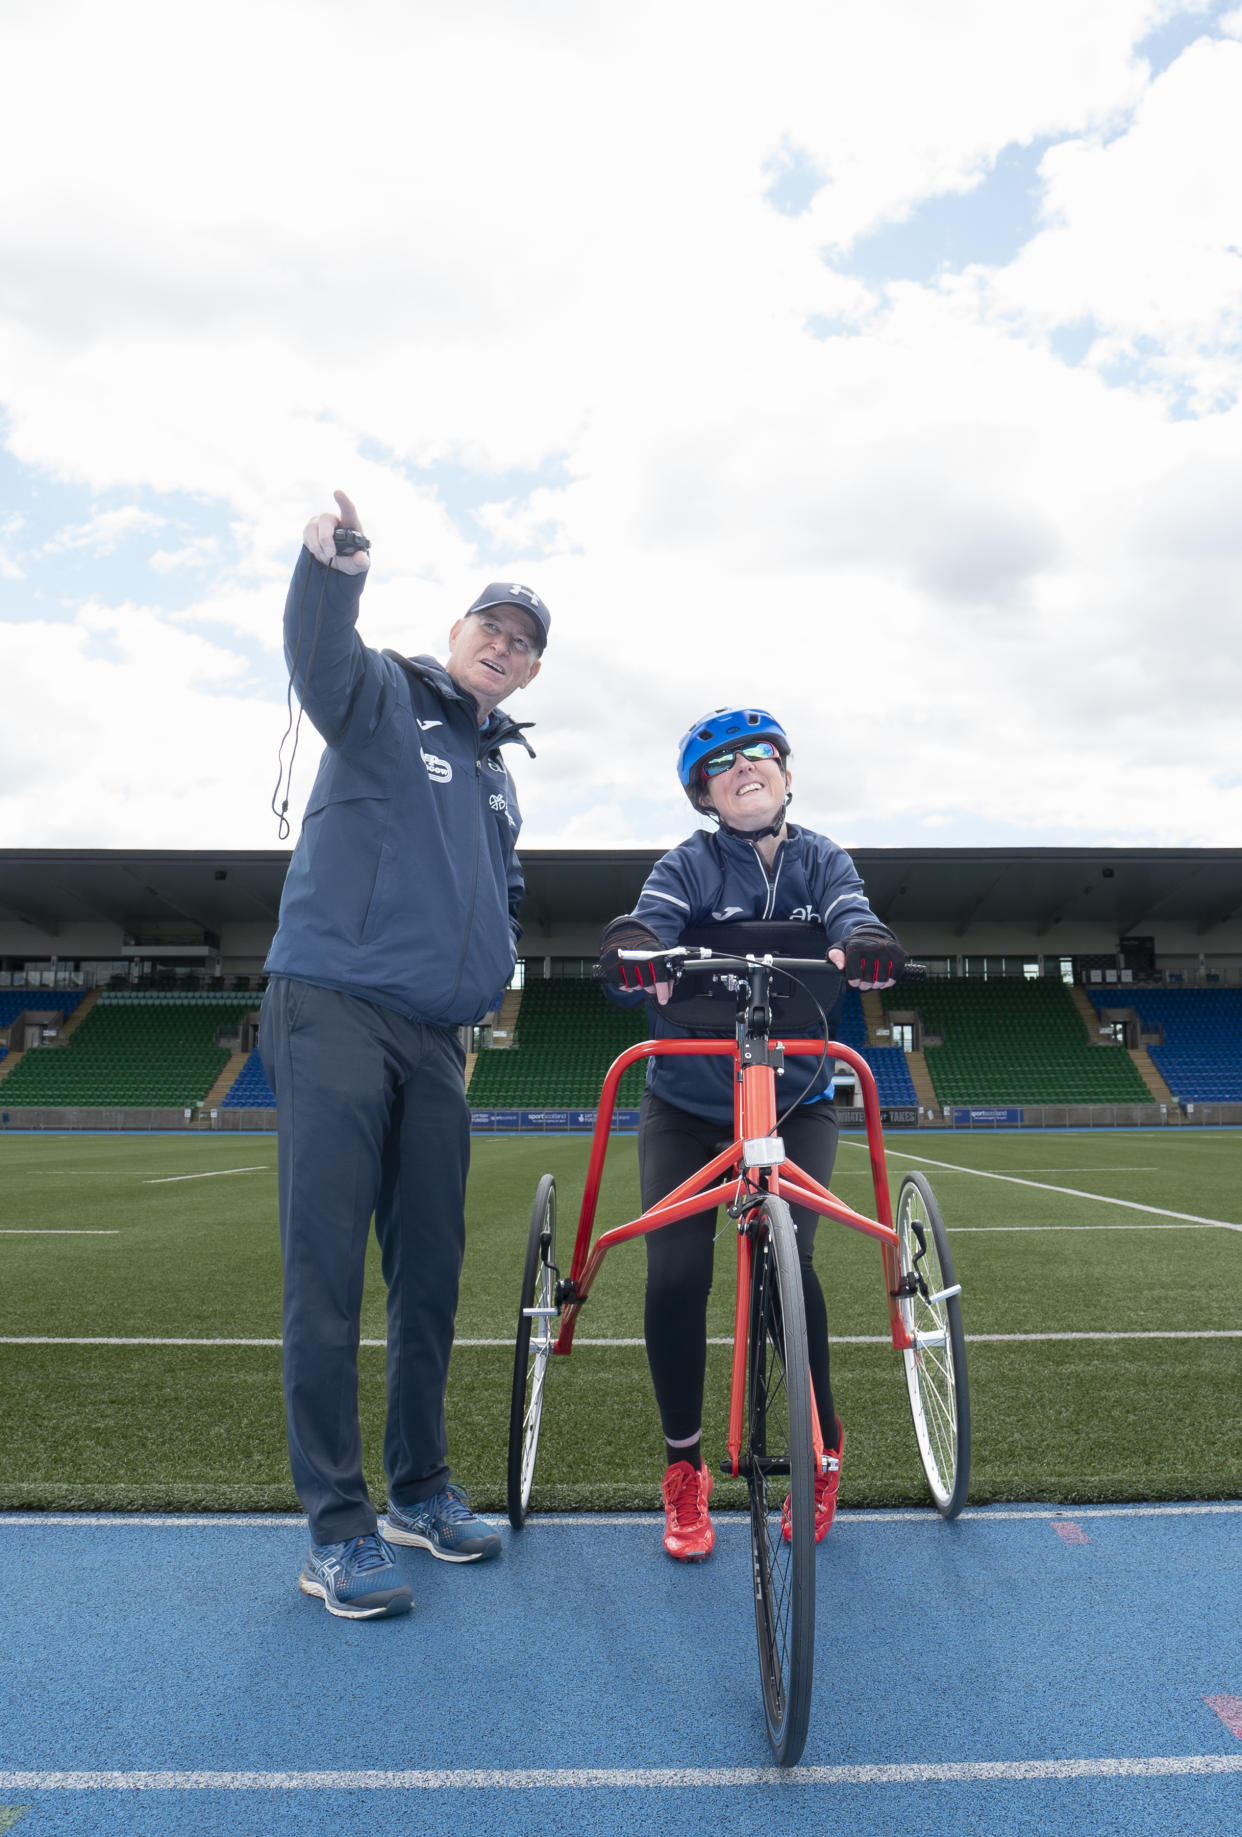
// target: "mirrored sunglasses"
[[757, 749]]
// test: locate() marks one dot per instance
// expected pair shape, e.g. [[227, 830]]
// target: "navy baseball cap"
[[500, 593]]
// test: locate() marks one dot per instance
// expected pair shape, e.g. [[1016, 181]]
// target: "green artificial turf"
[[141, 1426]]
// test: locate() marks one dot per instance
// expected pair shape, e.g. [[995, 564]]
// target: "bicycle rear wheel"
[[778, 1462], [936, 1362], [537, 1312]]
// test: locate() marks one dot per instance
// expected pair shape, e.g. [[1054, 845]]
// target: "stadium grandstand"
[[1083, 986]]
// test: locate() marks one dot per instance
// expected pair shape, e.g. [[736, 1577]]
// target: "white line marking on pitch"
[[662, 1779], [978, 1230], [53, 1231], [838, 1339], [1046, 1186], [47, 1339], [216, 1172]]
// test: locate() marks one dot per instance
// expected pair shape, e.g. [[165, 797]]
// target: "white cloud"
[[102, 533], [1143, 237], [899, 105], [131, 728], [487, 238], [191, 555]]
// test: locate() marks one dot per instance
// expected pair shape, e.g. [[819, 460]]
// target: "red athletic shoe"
[[688, 1532], [826, 1485]]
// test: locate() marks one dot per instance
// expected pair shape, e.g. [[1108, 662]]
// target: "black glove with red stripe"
[[872, 955], [626, 933]]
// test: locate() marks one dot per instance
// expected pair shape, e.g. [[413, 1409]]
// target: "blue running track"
[[1025, 1670]]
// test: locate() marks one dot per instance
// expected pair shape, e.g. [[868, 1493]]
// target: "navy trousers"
[[371, 1120], [672, 1145]]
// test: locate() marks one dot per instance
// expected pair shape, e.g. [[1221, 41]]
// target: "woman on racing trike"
[[734, 767]]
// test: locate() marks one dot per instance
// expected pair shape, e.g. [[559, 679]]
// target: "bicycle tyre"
[[532, 1350], [778, 1459], [935, 1365]]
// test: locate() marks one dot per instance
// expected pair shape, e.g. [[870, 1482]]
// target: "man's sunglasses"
[[758, 749]]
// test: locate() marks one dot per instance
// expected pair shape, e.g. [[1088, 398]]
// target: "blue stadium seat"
[[16, 1001], [1201, 1058], [250, 1089], [891, 1072]]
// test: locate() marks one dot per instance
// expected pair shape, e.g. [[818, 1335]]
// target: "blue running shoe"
[[357, 1579], [445, 1525]]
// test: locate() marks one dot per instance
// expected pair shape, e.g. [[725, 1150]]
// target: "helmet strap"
[[750, 835]]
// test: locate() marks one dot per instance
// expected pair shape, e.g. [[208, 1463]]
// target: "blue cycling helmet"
[[715, 732]]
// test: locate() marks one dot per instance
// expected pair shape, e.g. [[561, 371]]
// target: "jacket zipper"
[[506, 728], [770, 883], [474, 878]]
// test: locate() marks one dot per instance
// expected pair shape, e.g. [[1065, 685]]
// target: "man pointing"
[[398, 926]]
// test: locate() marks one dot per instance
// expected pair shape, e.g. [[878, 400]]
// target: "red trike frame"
[[755, 1117]]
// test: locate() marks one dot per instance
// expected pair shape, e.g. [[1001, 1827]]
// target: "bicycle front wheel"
[[778, 1462], [537, 1312], [935, 1362]]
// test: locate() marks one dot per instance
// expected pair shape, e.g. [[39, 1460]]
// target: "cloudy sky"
[[877, 364]]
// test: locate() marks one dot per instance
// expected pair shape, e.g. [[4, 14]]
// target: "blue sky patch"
[[73, 544], [463, 491], [823, 326], [986, 225], [1071, 342], [103, 647], [1141, 370], [795, 180], [1165, 44]]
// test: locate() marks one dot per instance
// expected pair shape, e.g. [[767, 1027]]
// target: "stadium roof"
[[1131, 890]]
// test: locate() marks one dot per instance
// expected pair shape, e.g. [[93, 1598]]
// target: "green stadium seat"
[[1016, 1043], [566, 1037]]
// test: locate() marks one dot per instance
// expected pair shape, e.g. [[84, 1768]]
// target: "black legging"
[[672, 1145]]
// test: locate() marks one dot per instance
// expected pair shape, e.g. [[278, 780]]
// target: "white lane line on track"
[[578, 1779], [729, 1521], [215, 1174], [838, 1339], [1046, 1186]]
